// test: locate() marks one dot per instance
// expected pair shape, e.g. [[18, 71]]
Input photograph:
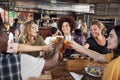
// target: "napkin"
[[76, 76]]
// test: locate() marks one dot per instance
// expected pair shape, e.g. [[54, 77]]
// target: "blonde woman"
[[97, 41], [112, 70], [29, 36], [15, 66]]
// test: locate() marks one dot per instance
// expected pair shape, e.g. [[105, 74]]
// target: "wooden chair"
[[44, 32]]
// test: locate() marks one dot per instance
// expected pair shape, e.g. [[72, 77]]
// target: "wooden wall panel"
[[107, 9], [103, 1]]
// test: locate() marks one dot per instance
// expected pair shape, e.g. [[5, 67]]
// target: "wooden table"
[[60, 72]]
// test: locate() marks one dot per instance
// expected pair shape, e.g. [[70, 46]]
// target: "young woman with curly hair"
[[66, 22], [66, 25]]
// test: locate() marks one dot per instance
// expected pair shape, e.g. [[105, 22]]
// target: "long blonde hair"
[[25, 35], [100, 26]]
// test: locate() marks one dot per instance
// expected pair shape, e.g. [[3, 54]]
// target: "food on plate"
[[95, 71]]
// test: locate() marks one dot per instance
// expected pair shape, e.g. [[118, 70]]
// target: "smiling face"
[[95, 30], [32, 30], [112, 40], [66, 28]]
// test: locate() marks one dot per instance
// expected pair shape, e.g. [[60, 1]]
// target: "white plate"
[[75, 55], [95, 71]]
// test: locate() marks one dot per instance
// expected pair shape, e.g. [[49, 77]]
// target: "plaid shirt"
[[10, 66]]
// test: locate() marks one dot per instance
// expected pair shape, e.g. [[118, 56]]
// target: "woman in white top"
[[54, 32]]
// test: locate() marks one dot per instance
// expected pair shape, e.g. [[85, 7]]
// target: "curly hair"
[[68, 19]]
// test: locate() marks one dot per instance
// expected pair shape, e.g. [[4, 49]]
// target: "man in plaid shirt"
[[11, 71], [11, 61]]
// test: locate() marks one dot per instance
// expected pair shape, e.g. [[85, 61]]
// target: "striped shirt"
[[10, 63]]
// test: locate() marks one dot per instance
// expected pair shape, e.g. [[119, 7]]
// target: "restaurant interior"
[[45, 12]]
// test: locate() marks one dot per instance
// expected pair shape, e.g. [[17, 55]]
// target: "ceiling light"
[[53, 1]]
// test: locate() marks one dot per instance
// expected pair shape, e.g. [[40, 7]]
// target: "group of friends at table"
[[19, 61]]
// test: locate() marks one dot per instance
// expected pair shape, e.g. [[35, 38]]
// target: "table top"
[[60, 72]]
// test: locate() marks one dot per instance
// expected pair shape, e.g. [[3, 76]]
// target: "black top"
[[69, 52], [93, 45]]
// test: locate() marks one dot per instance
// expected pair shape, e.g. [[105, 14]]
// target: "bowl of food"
[[95, 71]]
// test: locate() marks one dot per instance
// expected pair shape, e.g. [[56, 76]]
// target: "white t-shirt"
[[11, 38], [68, 38], [48, 40], [31, 66]]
